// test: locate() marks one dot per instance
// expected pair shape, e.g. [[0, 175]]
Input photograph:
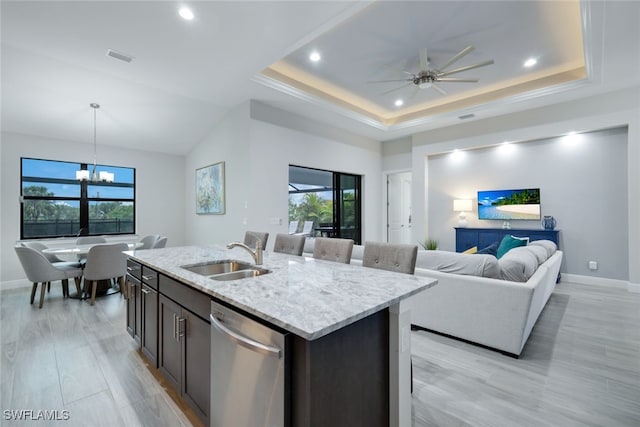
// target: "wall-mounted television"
[[508, 205]]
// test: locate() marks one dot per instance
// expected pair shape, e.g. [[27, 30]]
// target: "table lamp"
[[462, 206]]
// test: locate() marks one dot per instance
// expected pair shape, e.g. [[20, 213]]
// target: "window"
[[331, 200], [55, 204]]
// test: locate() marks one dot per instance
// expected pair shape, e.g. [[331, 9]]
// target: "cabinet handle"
[[182, 327], [148, 278], [145, 291], [175, 327]]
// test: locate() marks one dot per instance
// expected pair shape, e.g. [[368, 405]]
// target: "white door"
[[399, 207]]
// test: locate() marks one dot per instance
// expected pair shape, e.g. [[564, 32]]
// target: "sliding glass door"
[[324, 203]]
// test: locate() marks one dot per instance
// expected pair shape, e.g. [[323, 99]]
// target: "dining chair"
[[390, 256], [87, 240], [105, 262], [293, 227], [333, 249], [149, 241], [160, 243], [53, 259], [250, 238], [289, 244], [40, 270], [307, 229]]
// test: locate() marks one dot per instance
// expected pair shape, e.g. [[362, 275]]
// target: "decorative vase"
[[548, 222]]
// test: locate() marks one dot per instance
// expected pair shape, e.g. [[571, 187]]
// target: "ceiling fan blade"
[[459, 55], [424, 59], [395, 88], [461, 69], [438, 88], [389, 81], [455, 80], [416, 89]]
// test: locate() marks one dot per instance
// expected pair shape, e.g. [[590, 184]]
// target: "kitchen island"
[[349, 361]]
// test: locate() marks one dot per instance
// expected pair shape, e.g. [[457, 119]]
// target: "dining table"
[[105, 287]]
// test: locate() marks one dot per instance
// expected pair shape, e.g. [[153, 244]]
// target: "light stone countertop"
[[308, 297]]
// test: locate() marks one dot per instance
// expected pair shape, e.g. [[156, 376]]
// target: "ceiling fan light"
[[424, 85]]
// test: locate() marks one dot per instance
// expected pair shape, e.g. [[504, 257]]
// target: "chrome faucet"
[[257, 254]]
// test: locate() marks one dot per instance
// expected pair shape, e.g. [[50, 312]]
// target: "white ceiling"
[[187, 75]]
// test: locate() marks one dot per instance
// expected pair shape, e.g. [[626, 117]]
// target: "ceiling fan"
[[429, 77]]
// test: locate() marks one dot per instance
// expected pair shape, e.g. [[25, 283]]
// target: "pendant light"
[[83, 175]]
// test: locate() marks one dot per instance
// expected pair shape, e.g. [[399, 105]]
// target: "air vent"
[[467, 116], [119, 55]]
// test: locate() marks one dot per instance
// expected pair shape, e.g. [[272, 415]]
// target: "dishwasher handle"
[[245, 341]]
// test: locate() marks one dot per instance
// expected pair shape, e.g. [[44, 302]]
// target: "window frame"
[[83, 200]]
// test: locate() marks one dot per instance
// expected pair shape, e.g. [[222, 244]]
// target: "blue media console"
[[482, 237]]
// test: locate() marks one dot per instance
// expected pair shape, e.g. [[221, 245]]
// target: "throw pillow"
[[492, 249], [509, 242], [472, 250]]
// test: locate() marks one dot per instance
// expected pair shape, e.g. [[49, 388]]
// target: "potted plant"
[[430, 244]]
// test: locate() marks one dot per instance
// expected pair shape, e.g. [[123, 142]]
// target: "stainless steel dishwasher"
[[248, 372]]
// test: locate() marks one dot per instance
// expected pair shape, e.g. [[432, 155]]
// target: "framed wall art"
[[210, 189]]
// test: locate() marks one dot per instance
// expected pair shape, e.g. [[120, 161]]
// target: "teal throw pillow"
[[509, 242]]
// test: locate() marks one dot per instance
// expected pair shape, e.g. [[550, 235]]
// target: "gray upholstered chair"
[[105, 262], [333, 249], [390, 256], [161, 242], [40, 270], [53, 259], [250, 238], [149, 241], [289, 244]]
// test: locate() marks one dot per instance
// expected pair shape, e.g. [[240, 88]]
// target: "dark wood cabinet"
[[184, 344], [133, 287], [149, 324]]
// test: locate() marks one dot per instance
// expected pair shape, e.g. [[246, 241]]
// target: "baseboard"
[[600, 281], [15, 284]]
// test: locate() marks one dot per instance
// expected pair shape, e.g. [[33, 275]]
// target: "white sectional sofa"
[[481, 299]]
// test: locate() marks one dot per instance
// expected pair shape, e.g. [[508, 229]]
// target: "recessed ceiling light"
[[314, 56], [530, 62], [186, 13], [399, 102]]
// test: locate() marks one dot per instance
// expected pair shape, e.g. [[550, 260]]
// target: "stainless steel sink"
[[227, 269], [241, 274], [217, 267]]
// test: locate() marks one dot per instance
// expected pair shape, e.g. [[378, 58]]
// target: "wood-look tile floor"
[[580, 367], [71, 356]]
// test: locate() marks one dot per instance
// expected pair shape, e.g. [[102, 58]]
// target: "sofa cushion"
[[509, 242], [457, 263], [472, 250], [518, 265], [539, 252], [550, 246]]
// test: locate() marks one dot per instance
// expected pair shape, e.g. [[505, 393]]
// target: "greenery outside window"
[[330, 200], [55, 204]]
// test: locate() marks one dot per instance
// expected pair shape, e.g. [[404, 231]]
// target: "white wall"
[[582, 182], [159, 188], [258, 154], [600, 112], [228, 142]]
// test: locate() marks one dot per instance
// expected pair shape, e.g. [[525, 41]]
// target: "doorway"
[[399, 207]]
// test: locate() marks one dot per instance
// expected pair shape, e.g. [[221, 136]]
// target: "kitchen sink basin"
[[240, 274], [217, 267], [227, 269]]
